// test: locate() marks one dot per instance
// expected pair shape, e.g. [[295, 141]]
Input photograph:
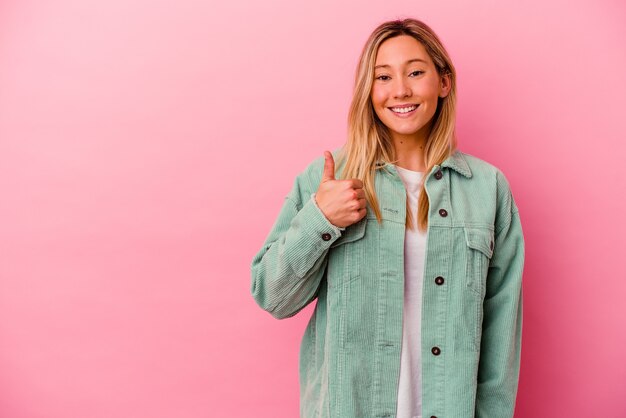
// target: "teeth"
[[403, 109]]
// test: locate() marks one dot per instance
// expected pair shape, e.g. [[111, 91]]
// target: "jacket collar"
[[455, 161]]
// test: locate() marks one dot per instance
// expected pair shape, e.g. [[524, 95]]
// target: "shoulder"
[[479, 166], [483, 170], [492, 180]]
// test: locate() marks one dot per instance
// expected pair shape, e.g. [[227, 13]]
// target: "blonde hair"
[[369, 139]]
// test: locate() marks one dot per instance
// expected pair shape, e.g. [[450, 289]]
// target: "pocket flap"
[[351, 233], [480, 239]]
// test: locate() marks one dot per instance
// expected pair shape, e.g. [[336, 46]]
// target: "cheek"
[[378, 97], [430, 90]]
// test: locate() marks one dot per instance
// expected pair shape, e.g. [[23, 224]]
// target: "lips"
[[403, 107]]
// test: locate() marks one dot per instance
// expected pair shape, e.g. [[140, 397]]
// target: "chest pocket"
[[347, 255], [479, 252]]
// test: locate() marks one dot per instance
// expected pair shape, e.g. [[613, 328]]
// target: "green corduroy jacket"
[[471, 327]]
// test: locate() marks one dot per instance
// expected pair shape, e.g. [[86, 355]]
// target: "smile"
[[404, 111]]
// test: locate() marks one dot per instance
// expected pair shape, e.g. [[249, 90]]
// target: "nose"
[[401, 88]]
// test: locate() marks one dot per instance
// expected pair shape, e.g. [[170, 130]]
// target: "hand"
[[341, 201]]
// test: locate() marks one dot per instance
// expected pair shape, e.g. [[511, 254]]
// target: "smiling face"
[[406, 88]]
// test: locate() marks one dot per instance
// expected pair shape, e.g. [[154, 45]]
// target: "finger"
[[362, 203], [329, 167], [360, 193], [356, 184]]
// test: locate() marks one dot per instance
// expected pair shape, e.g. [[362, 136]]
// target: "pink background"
[[147, 146]]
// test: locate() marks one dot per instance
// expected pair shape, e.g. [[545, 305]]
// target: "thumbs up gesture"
[[341, 201]]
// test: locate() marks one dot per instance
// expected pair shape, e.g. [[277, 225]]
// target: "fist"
[[341, 201]]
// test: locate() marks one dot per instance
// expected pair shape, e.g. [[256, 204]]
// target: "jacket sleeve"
[[288, 269], [500, 350]]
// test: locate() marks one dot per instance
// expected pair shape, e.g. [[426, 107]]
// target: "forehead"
[[398, 50]]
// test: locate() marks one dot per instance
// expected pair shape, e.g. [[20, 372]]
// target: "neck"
[[409, 151]]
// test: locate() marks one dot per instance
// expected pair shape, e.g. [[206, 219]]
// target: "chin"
[[411, 131]]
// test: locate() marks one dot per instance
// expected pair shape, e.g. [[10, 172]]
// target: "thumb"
[[329, 167]]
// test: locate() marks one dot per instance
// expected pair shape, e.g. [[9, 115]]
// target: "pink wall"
[[146, 147]]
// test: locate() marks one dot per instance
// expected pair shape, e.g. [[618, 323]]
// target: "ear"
[[445, 85]]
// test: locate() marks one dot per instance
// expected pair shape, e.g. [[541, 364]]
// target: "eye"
[[386, 77]]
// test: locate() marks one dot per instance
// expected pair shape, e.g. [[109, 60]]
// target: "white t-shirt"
[[410, 383]]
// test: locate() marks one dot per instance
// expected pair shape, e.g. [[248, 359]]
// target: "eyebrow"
[[408, 62]]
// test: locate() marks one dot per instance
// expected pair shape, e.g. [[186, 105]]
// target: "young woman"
[[413, 249]]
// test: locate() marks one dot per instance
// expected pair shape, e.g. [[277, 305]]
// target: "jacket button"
[[326, 236], [436, 351], [439, 280], [438, 175], [432, 416], [443, 212]]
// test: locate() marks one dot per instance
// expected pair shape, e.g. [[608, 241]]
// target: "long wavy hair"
[[369, 140]]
